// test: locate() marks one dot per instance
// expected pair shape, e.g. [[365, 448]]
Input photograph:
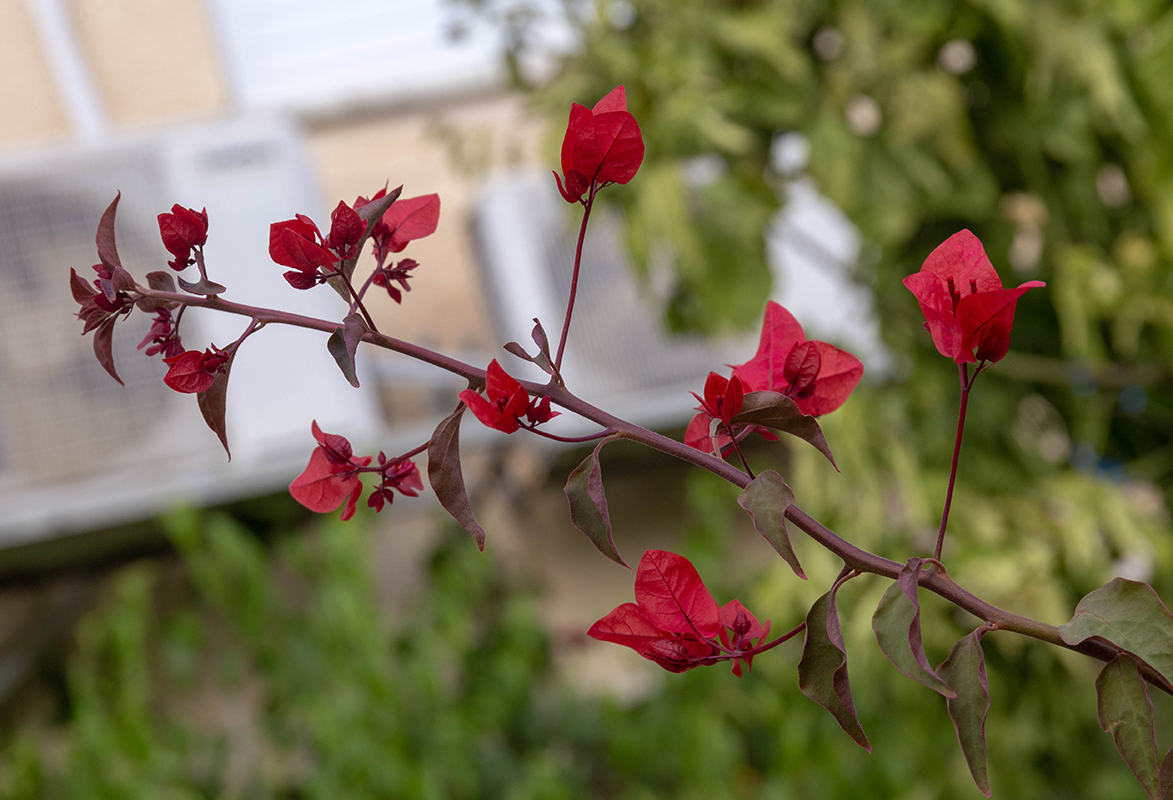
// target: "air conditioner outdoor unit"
[[78, 451]]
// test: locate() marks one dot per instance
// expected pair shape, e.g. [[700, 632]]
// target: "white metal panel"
[[315, 55]]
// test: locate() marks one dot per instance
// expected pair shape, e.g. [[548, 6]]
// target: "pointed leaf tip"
[[897, 627], [766, 499], [107, 248], [822, 670], [965, 671], [588, 504], [213, 405], [446, 478], [1126, 712], [777, 411]]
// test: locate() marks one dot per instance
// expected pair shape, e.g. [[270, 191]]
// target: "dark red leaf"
[[104, 347], [446, 478], [107, 249], [822, 670], [777, 411], [588, 504], [343, 343], [213, 403]]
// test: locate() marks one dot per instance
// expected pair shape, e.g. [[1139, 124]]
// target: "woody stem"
[[966, 385], [586, 215]]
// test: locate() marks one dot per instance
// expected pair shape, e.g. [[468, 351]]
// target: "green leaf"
[[777, 411], [1126, 712], [1130, 615], [213, 403], [965, 671], [766, 499], [897, 626], [588, 504], [446, 478], [822, 670], [343, 343]]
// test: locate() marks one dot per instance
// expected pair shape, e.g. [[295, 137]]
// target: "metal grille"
[[61, 415]]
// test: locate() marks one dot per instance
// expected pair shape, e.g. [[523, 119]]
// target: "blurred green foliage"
[[1045, 127], [248, 671]]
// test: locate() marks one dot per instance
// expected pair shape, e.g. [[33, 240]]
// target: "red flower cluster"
[[407, 219], [505, 401], [332, 477], [193, 372], [602, 145], [966, 309], [101, 304], [183, 230], [676, 622], [163, 337], [297, 243], [817, 376]]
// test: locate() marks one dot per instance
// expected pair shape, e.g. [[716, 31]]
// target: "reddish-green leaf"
[[213, 405], [202, 286], [1130, 615], [777, 411], [1165, 777], [897, 626], [669, 590], [588, 504], [822, 670], [1126, 712], [965, 671], [766, 499], [343, 343], [104, 347], [446, 478], [107, 249]]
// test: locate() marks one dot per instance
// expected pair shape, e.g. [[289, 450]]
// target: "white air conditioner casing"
[[78, 451]]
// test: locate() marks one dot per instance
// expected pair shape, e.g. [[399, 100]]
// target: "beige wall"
[[153, 61], [32, 113]]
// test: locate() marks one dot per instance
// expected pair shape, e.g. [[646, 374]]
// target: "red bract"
[[398, 476], [162, 337], [602, 145], [387, 277], [675, 620], [182, 230], [966, 309], [723, 397], [346, 228], [505, 401], [816, 375], [407, 219], [193, 372], [331, 477], [101, 304], [298, 243]]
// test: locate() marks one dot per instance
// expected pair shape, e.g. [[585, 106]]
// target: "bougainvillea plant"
[[782, 389]]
